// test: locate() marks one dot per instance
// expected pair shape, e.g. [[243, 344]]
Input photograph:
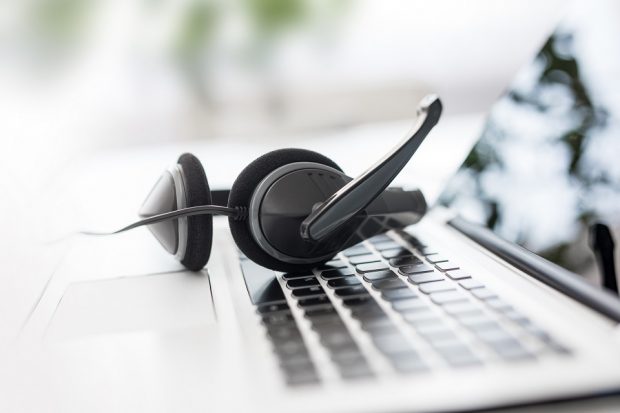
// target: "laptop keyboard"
[[393, 304]]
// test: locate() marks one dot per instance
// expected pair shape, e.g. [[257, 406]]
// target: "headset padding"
[[241, 194], [199, 227]]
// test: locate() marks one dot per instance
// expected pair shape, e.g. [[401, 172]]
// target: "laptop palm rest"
[[158, 302]]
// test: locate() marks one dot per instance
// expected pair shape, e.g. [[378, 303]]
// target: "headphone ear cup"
[[243, 189], [199, 227]]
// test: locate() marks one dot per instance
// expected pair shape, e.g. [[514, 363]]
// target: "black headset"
[[290, 209]]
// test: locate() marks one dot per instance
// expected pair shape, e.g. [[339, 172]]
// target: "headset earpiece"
[[241, 195], [199, 234]]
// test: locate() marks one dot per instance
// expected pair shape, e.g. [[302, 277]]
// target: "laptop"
[[492, 300]]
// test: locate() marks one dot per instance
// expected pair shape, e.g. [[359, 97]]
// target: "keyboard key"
[[277, 319], [283, 332], [380, 327], [425, 278], [272, 307], [457, 355], [414, 304], [336, 273], [436, 286], [357, 370], [415, 269], [405, 260], [358, 249], [302, 282], [313, 301], [477, 322], [392, 344], [436, 258], [498, 304], [320, 311], [332, 264], [295, 275], [418, 319], [517, 317], [308, 291], [510, 350], [377, 239], [445, 297], [366, 312], [290, 347], [470, 284], [379, 275], [458, 274], [462, 309], [338, 339], [483, 293], [362, 259], [428, 251], [386, 245], [438, 335], [374, 266], [398, 294], [445, 266], [344, 282], [408, 363], [351, 291], [388, 284], [395, 252], [357, 301], [490, 335]]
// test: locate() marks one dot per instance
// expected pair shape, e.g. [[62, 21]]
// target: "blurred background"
[[97, 97]]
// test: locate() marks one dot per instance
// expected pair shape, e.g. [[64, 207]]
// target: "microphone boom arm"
[[354, 197]]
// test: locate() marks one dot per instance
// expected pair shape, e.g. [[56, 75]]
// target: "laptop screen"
[[547, 165]]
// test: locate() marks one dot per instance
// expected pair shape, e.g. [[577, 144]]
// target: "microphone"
[[359, 193]]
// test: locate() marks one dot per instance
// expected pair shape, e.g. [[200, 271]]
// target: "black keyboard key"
[[308, 291], [278, 319], [398, 294], [380, 327], [272, 307], [357, 301], [302, 282], [290, 347], [388, 284], [313, 301], [355, 370], [283, 331], [332, 264], [379, 275], [436, 286], [395, 252], [425, 278], [436, 258], [370, 267], [320, 311], [338, 339], [358, 249], [295, 275], [336, 273], [415, 269], [351, 291], [405, 260], [343, 282], [362, 259]]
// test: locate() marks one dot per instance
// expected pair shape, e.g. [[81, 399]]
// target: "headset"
[[290, 209]]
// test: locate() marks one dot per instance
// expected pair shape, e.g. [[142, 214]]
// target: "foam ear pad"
[[199, 227], [241, 194]]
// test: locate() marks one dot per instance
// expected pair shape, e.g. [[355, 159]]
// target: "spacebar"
[[261, 283]]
